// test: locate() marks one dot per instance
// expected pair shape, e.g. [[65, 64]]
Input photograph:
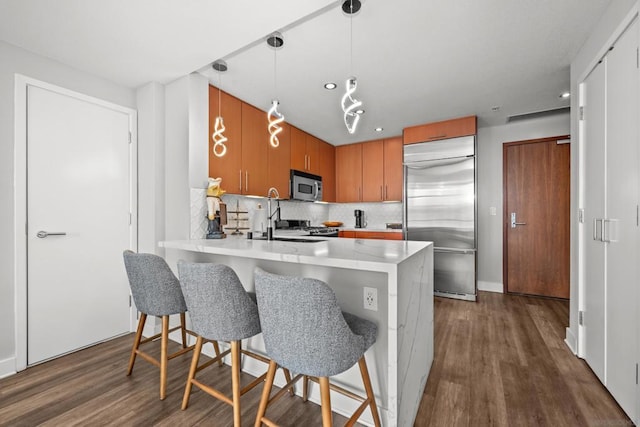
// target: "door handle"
[[513, 221], [43, 234], [597, 221]]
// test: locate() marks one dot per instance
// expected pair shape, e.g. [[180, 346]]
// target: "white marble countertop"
[[356, 254]]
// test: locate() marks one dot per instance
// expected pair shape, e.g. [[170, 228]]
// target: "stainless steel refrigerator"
[[440, 206]]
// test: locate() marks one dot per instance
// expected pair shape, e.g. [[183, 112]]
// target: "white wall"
[[15, 60], [151, 167], [602, 37], [490, 186]]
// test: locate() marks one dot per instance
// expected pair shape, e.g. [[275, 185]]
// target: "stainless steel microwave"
[[305, 186]]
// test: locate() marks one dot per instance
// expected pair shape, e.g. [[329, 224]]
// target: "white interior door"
[[621, 226], [78, 183], [594, 182]]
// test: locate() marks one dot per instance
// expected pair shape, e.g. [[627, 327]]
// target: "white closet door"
[[621, 228], [78, 184], [594, 311]]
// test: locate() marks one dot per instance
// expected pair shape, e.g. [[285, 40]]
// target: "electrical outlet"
[[371, 299]]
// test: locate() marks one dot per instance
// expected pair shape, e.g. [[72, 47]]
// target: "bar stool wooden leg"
[[362, 363], [183, 329], [287, 377], [136, 342], [235, 381], [192, 372], [266, 392], [216, 348], [164, 342], [325, 399]]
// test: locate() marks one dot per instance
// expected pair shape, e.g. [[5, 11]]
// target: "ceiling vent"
[[538, 114]]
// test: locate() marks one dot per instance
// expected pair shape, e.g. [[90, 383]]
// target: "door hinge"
[[26, 229], [129, 137], [581, 318], [129, 300], [637, 58], [636, 373], [581, 112], [581, 216], [637, 215], [130, 218]]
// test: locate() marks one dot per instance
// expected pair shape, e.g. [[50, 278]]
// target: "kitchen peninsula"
[[401, 272]]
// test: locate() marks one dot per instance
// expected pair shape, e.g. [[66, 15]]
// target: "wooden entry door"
[[536, 216]]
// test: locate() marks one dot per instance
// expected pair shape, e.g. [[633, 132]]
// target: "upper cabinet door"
[[393, 169], [255, 151], [298, 149], [446, 129], [372, 171], [349, 173], [279, 163], [328, 171], [229, 166], [313, 154]]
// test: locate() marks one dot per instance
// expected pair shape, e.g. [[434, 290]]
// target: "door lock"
[[513, 221], [43, 234]]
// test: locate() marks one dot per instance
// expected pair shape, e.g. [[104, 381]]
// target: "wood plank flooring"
[[498, 362]]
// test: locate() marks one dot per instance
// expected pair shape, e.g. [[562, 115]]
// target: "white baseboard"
[[490, 287], [7, 367], [570, 341]]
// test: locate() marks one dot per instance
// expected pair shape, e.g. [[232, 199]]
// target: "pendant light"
[[274, 117], [350, 105], [219, 149]]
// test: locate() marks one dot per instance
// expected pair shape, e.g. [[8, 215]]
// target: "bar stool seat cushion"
[[219, 307], [154, 287], [304, 328]]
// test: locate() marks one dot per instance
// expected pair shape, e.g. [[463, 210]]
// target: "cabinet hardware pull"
[[381, 193], [437, 136], [240, 188], [246, 181]]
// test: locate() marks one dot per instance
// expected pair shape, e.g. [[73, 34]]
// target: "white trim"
[[570, 341], [7, 367], [490, 286], [20, 197]]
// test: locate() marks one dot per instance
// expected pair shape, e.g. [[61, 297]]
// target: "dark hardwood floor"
[[501, 361]]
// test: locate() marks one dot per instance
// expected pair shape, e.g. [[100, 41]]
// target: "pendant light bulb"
[[275, 118], [219, 149], [350, 105]]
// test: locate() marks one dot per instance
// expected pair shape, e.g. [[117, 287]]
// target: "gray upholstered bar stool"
[[305, 331], [220, 309], [156, 292]]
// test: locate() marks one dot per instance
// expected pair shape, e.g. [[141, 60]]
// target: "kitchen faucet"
[[272, 191]]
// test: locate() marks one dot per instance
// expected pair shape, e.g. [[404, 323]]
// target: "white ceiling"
[[416, 61]]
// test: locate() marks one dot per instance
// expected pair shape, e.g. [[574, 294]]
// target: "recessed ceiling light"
[[379, 129], [565, 95], [330, 86], [360, 111]]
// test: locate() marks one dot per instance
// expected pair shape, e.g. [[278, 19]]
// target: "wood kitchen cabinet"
[[280, 162], [380, 235], [372, 171], [255, 151], [463, 126], [393, 173], [349, 173], [229, 166], [327, 155], [369, 171], [305, 152]]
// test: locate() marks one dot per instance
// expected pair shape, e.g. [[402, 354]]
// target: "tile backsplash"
[[253, 214]]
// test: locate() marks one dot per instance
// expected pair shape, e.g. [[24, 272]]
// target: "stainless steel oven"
[[305, 186]]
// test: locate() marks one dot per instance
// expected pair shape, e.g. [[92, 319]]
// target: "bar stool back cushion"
[[219, 307], [155, 289], [304, 328]]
